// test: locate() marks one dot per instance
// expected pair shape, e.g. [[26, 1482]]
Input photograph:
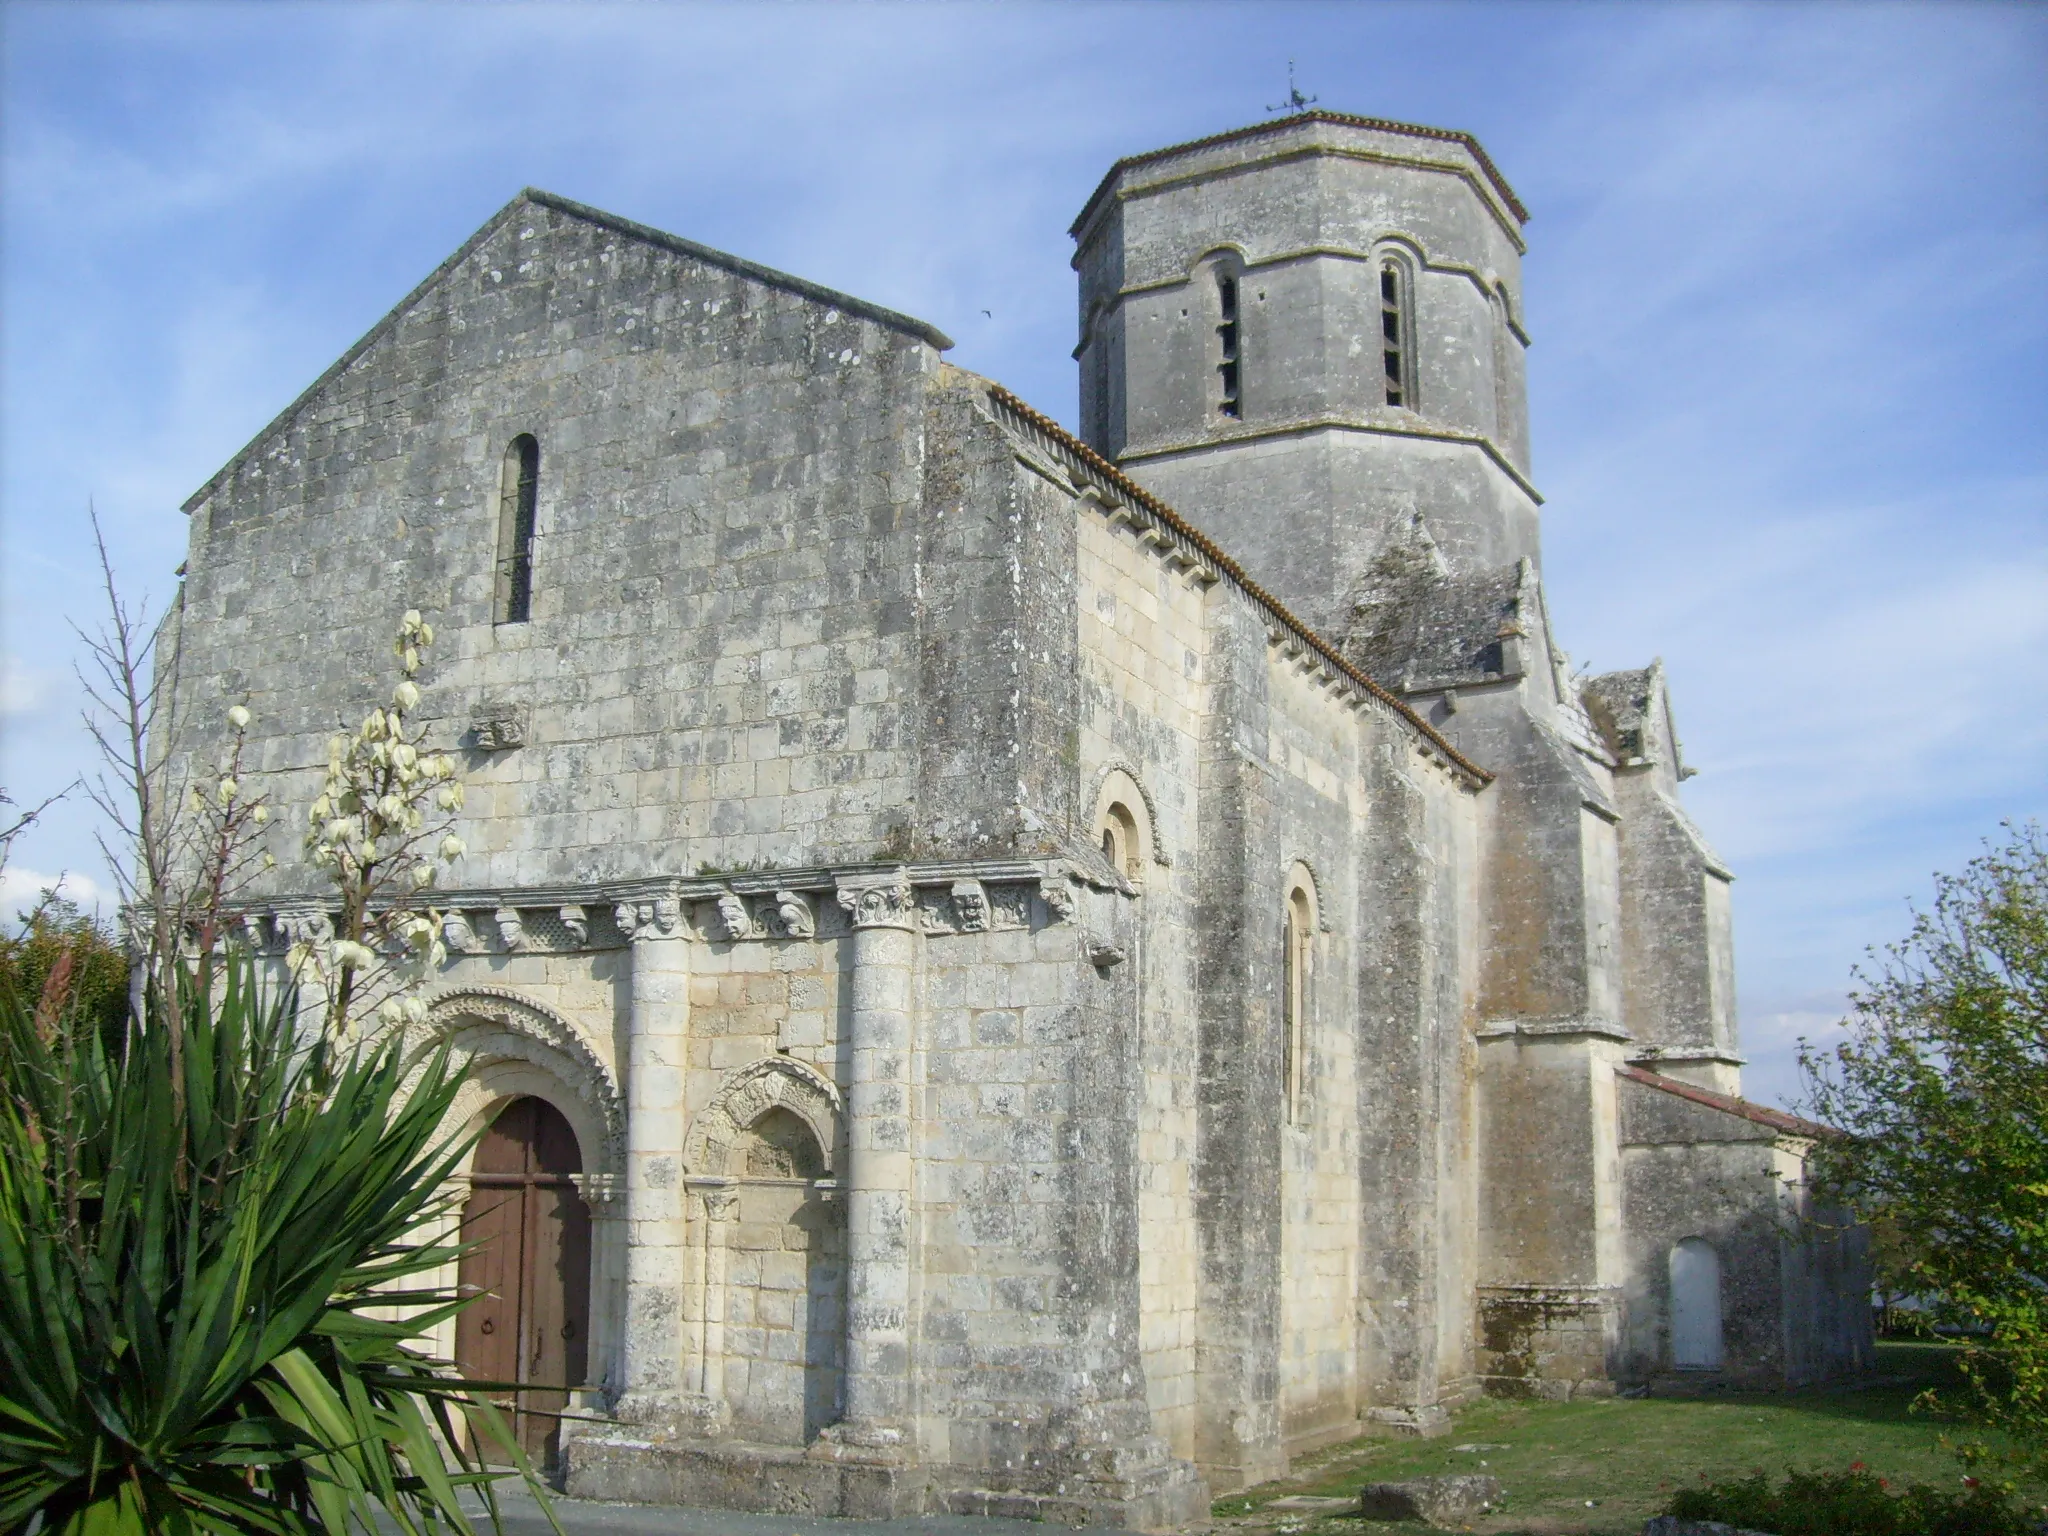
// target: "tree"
[[221, 1219], [1942, 1089]]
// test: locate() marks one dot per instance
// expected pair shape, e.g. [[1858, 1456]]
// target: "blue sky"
[[1788, 281]]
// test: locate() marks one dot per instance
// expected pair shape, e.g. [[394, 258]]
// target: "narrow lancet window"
[[517, 498], [1231, 402], [1393, 330], [1296, 929]]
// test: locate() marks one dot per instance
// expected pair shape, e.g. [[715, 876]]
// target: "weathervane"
[[1295, 100]]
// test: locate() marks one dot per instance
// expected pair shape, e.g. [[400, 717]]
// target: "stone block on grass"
[[1450, 1500]]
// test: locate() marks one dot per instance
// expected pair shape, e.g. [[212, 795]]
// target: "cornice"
[[1497, 184], [1303, 425]]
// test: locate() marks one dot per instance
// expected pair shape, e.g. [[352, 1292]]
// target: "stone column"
[[721, 1202], [652, 1349], [878, 1172]]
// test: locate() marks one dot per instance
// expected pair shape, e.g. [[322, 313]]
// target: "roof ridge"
[[1211, 551], [1315, 115], [647, 233], [853, 304], [1730, 1104]]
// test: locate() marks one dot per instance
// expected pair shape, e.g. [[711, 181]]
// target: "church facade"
[[1017, 972]]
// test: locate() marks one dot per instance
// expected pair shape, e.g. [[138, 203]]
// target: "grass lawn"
[[1602, 1468]]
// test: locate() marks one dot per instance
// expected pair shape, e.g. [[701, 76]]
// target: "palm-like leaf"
[[192, 1272]]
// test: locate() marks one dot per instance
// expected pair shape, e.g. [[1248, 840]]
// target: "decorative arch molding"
[[1119, 775], [748, 1093], [1301, 876], [497, 1025]]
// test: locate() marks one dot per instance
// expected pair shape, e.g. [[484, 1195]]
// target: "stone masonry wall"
[[720, 659]]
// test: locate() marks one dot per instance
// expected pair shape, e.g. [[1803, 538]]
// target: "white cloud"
[[23, 689], [21, 889]]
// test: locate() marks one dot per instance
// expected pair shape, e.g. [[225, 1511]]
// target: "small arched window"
[[1297, 936], [518, 498], [1396, 352], [1120, 840], [1695, 1305], [1123, 825]]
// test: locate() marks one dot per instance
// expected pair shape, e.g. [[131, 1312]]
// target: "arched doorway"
[[532, 1268], [1695, 1305]]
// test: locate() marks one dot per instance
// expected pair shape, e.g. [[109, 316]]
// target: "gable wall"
[[720, 662]]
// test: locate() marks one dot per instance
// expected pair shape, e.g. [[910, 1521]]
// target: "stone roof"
[[645, 234], [1728, 1104], [1411, 621], [1465, 140], [1626, 706]]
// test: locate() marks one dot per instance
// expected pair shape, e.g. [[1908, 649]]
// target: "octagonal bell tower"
[[1304, 333]]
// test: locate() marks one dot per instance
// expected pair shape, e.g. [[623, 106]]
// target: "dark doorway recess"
[[532, 1323]]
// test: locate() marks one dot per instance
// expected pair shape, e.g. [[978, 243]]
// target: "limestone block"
[[1451, 1500]]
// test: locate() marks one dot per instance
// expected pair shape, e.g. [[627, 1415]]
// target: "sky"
[[1787, 280]]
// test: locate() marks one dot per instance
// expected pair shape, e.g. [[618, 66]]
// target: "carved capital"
[[721, 1201], [598, 1188], [885, 901], [735, 922]]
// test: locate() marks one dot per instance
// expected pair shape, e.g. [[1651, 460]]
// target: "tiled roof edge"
[[1728, 1104], [533, 196], [1276, 611], [1342, 119]]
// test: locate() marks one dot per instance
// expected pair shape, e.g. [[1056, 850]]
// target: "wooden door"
[[531, 1271]]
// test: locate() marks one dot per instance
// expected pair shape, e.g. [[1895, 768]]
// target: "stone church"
[[1012, 971]]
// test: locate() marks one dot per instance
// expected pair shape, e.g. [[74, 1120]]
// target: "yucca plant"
[[207, 1295]]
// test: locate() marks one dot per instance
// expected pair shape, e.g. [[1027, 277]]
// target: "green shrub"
[[201, 1252], [94, 979], [1853, 1503]]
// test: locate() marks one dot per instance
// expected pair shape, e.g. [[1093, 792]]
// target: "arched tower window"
[[518, 496], [1230, 362], [1395, 348], [1297, 936]]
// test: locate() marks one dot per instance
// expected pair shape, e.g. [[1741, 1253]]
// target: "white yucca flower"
[[405, 697], [227, 789], [403, 755], [449, 797], [422, 875], [453, 848], [238, 717], [260, 815], [348, 955]]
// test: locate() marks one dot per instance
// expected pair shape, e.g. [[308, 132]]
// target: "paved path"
[[583, 1517]]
